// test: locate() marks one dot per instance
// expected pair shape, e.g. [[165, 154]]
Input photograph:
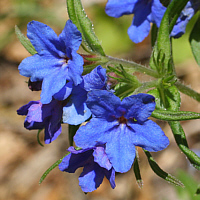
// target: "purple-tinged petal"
[[101, 158], [117, 8], [35, 113], [52, 134], [71, 36], [110, 175], [24, 109], [120, 149], [43, 38], [149, 136], [91, 177], [102, 103]]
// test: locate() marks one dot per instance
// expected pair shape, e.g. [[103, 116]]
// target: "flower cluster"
[[107, 141], [146, 12]]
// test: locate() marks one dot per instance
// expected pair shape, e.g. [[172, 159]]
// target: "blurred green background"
[[23, 161]]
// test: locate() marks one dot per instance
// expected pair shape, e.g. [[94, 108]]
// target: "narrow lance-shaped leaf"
[[136, 170], [175, 115], [160, 172], [25, 41], [181, 141], [79, 18], [51, 168], [195, 41]]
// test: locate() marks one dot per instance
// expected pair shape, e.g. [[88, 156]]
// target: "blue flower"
[[185, 16], [95, 165], [76, 111], [121, 125], [56, 61], [43, 116], [144, 11]]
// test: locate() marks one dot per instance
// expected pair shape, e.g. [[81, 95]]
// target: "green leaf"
[[79, 18], [51, 168], [25, 41], [195, 41], [71, 132], [167, 98], [163, 39], [136, 170], [181, 141], [160, 172], [175, 115]]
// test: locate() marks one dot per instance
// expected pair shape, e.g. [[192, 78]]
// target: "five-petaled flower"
[[121, 125], [56, 61], [95, 165]]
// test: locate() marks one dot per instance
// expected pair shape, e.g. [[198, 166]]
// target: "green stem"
[[132, 66], [145, 86], [188, 91]]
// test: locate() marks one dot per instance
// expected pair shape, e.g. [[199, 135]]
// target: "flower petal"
[[91, 177], [102, 103], [110, 175], [139, 29], [101, 158], [94, 132], [149, 136], [117, 8], [43, 38], [70, 36], [96, 79], [120, 149], [139, 106], [72, 162], [38, 67]]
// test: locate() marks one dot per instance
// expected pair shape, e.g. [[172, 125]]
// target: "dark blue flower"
[[121, 125], [95, 165], [76, 111], [56, 61], [144, 11], [185, 16], [43, 116]]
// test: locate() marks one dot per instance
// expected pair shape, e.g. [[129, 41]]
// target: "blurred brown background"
[[23, 160]]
